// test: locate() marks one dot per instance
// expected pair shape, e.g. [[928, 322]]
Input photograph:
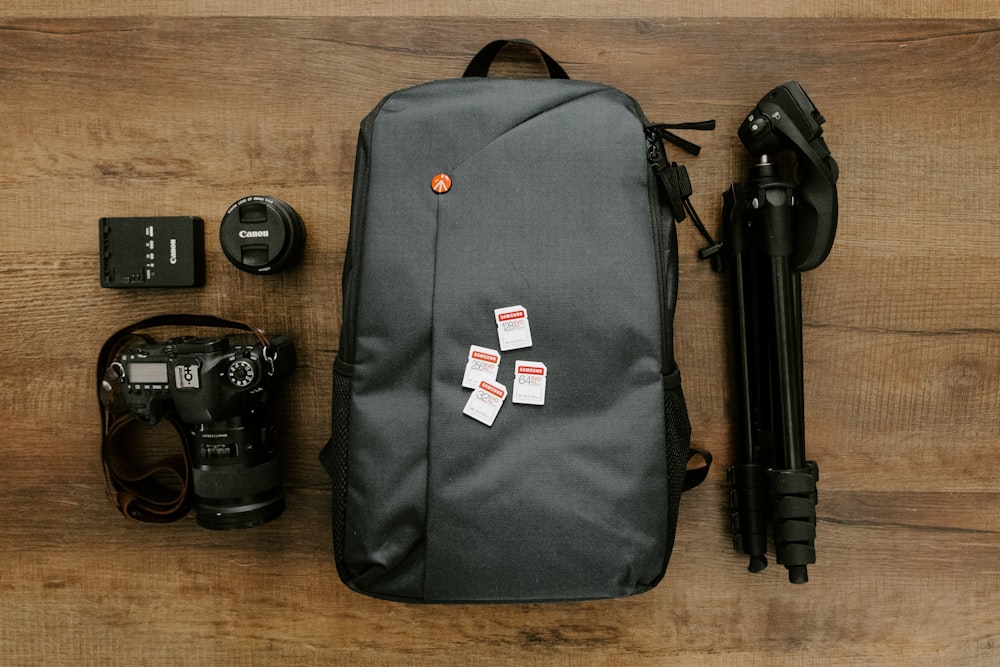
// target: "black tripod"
[[774, 230]]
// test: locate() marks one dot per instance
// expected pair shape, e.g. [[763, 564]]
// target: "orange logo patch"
[[441, 183]]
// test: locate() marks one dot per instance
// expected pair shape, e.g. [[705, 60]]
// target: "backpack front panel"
[[549, 208]]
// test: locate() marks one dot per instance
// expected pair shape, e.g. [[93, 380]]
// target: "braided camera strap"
[[158, 492]]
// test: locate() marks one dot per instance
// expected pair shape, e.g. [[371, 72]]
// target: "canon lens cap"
[[262, 235]]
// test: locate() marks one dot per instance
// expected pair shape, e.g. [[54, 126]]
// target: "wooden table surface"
[[167, 108]]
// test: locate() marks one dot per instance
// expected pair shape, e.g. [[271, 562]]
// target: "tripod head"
[[785, 119]]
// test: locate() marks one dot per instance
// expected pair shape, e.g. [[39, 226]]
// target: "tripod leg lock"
[[793, 514]]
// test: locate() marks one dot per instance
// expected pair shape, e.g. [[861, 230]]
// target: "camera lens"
[[245, 512], [262, 235], [236, 475]]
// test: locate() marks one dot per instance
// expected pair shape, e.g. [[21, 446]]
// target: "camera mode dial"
[[241, 373]]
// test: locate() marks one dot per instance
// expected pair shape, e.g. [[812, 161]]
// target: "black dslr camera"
[[218, 389]]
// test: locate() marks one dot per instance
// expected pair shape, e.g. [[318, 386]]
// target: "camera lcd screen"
[[147, 373]]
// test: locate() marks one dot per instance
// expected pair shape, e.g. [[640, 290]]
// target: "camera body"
[[218, 388]]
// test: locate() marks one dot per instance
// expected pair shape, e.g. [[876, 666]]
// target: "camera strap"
[[157, 492]]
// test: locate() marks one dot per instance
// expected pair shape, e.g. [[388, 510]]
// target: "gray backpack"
[[508, 421]]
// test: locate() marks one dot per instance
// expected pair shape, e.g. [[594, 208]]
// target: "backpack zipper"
[[662, 280], [670, 180]]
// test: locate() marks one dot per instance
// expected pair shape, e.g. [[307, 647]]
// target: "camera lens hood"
[[262, 235]]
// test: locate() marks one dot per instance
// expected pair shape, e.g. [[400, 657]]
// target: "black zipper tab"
[[662, 132], [677, 184]]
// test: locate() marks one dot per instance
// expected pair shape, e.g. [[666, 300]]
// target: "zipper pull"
[[670, 175], [662, 132], [677, 184]]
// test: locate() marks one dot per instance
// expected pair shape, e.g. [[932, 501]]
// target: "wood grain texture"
[[959, 9], [183, 115]]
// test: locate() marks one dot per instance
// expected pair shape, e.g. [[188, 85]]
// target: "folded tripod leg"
[[747, 479], [791, 484], [772, 481]]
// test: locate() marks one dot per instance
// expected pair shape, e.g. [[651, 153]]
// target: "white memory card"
[[485, 402], [482, 364], [513, 329], [529, 382]]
